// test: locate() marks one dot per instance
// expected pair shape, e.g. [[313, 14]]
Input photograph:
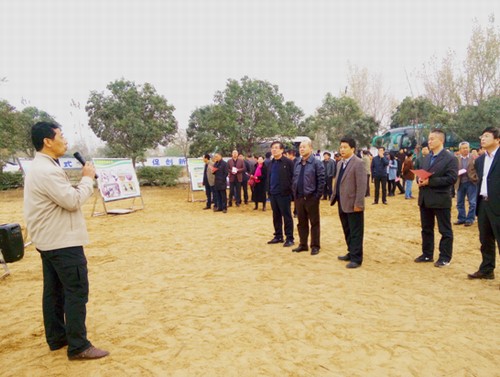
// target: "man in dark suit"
[[308, 183], [434, 199], [349, 191], [220, 170], [488, 202], [279, 178]]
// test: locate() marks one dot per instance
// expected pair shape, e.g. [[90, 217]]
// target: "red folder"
[[421, 173]]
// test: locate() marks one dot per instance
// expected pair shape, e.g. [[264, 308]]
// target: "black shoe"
[[459, 223], [229, 204], [346, 257], [288, 243], [315, 250], [352, 265], [480, 275], [468, 223], [206, 207], [423, 259], [300, 248], [374, 203], [275, 240], [224, 210], [442, 263], [384, 203]]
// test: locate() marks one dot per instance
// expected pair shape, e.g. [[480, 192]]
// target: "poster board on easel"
[[196, 169], [116, 181]]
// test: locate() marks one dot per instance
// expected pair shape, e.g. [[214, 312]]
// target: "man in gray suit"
[[349, 191]]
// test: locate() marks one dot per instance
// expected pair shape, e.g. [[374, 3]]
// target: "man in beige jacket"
[[52, 210]]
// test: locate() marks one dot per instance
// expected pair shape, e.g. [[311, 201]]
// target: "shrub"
[[11, 180], [158, 176]]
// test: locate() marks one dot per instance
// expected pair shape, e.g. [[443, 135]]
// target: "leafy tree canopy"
[[419, 110], [246, 113], [341, 116], [131, 118], [470, 121]]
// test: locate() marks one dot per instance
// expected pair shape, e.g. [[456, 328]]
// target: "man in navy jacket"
[[308, 184], [379, 175]]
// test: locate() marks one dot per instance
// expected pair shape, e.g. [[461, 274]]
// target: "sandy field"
[[178, 291]]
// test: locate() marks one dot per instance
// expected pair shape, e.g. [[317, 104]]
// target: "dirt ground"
[[178, 291]]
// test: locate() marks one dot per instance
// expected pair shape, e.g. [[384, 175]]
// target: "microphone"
[[81, 160]]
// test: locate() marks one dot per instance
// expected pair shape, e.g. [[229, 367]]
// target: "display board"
[[116, 178], [196, 168]]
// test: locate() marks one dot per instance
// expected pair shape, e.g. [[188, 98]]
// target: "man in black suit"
[[434, 199], [279, 178], [220, 170], [488, 202]]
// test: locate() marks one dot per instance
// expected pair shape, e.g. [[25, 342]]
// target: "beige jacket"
[[52, 207]]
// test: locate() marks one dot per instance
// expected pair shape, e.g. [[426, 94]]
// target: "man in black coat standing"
[[379, 175], [280, 174], [434, 200], [488, 202], [220, 170]]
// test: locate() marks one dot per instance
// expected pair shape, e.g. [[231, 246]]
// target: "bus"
[[411, 136]]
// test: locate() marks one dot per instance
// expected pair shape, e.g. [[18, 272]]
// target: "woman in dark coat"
[[259, 177]]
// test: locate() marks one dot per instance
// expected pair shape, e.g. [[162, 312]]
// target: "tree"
[[419, 110], [369, 92], [131, 118], [340, 116], [442, 84], [28, 117], [245, 114], [9, 137], [470, 121], [363, 130], [482, 64]]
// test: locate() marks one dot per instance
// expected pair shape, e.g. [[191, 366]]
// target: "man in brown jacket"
[[236, 168], [349, 191]]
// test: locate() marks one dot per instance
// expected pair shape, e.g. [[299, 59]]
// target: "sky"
[[55, 52]]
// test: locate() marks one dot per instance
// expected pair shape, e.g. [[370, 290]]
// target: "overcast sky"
[[56, 51]]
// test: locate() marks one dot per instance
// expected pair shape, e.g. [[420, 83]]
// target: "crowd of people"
[[283, 178], [52, 208]]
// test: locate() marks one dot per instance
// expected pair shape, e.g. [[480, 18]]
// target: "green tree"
[[131, 118], [9, 135], [340, 116], [363, 131], [246, 113], [419, 110], [27, 118], [471, 120]]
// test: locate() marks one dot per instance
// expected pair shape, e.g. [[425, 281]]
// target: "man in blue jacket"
[[308, 184], [379, 175], [279, 178]]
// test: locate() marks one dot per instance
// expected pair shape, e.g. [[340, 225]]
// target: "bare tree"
[[370, 93], [442, 83], [482, 64]]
